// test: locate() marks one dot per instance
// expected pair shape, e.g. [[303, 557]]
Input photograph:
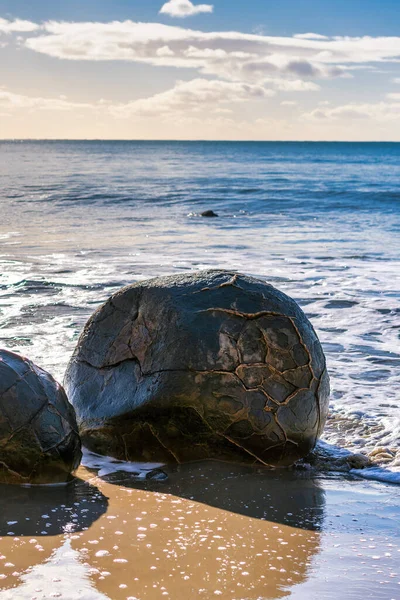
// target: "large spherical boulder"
[[39, 440], [204, 365]]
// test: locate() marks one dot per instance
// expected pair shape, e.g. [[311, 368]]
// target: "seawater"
[[320, 221]]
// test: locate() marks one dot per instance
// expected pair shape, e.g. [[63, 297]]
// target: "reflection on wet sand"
[[283, 496], [209, 529], [35, 520]]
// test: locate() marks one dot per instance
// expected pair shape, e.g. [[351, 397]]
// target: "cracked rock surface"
[[203, 365], [39, 440]]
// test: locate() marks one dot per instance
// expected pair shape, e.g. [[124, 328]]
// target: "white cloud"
[[394, 96], [184, 8], [289, 103], [10, 101], [18, 25], [311, 36], [197, 109], [230, 55], [292, 85], [380, 112], [233, 67], [192, 96]]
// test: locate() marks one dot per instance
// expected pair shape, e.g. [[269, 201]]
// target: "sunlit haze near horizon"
[[218, 70]]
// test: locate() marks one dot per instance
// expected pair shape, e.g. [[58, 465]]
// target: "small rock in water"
[[157, 475], [323, 462], [358, 461], [208, 213], [381, 451]]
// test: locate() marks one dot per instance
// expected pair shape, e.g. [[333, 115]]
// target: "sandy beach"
[[201, 530]]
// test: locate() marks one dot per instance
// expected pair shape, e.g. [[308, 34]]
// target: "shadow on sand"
[[282, 496], [49, 510]]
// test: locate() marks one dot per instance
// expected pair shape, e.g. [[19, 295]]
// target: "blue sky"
[[283, 17], [84, 69]]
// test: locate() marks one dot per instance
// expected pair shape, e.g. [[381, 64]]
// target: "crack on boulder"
[[162, 444], [111, 367], [18, 476], [280, 426], [293, 395], [20, 379], [18, 430], [274, 447], [309, 364], [121, 310], [125, 446], [318, 400], [231, 283], [242, 315], [34, 469], [232, 441]]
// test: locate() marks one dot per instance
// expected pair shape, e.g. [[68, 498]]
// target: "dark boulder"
[[39, 441], [203, 365]]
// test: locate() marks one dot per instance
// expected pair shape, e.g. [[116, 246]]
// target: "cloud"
[[289, 103], [311, 36], [184, 8], [229, 55], [192, 96], [304, 68], [380, 111], [257, 69], [195, 97], [225, 62], [17, 26], [291, 85], [10, 101]]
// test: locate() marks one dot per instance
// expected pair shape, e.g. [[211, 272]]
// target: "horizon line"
[[200, 140]]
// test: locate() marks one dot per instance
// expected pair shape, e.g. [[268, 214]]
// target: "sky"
[[212, 69]]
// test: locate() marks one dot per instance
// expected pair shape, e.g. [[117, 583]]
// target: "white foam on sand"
[[105, 465], [390, 475]]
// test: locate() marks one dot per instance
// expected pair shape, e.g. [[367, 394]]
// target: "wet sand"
[[201, 530]]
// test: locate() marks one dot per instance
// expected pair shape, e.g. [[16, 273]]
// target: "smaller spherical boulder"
[[39, 440]]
